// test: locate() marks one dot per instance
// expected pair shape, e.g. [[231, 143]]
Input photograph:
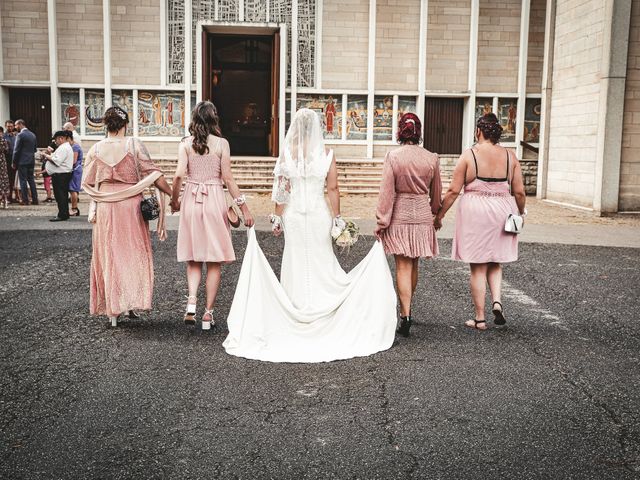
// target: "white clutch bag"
[[514, 223]]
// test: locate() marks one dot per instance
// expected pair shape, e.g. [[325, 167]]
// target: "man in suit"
[[24, 161]]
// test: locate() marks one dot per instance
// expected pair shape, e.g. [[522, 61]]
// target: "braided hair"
[[409, 129], [490, 127], [204, 122]]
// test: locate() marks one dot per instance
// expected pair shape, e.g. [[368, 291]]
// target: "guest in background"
[[69, 127], [60, 165], [5, 186], [10, 136], [410, 195], [76, 177], [24, 161], [480, 239], [46, 178]]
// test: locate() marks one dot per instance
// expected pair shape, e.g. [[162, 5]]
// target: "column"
[[106, 39], [371, 76], [613, 75], [422, 58], [188, 60], [470, 121], [53, 64], [522, 73]]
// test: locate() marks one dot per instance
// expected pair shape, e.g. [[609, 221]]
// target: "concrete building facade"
[[562, 76]]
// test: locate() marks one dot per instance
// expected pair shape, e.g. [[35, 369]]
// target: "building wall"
[[135, 42], [630, 159], [575, 101], [80, 41], [447, 61], [25, 44], [345, 45], [498, 45], [535, 57], [397, 44]]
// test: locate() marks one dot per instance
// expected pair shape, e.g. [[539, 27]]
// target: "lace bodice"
[[306, 193]]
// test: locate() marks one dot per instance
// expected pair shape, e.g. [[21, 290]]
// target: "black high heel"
[[499, 316], [77, 214], [405, 326]]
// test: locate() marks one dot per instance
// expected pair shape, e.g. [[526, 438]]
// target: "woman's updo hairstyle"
[[115, 118], [490, 127], [409, 129], [204, 122]]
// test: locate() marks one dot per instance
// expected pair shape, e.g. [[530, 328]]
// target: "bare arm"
[[332, 188], [517, 185], [232, 186], [457, 182], [178, 177]]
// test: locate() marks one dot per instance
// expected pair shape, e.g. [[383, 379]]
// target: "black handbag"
[[150, 208]]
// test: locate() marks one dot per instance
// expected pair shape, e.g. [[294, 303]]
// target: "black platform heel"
[[405, 326]]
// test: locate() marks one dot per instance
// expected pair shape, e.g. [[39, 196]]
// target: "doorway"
[[241, 77], [33, 105], [443, 121]]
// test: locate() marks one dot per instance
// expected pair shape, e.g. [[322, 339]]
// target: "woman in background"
[[5, 186], [76, 177]]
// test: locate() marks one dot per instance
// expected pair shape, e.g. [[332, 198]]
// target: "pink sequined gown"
[[122, 260], [483, 209], [410, 194], [204, 234]]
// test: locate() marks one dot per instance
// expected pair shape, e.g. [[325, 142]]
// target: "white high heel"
[[190, 314], [114, 321], [207, 324]]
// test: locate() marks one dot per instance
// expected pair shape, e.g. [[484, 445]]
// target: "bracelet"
[[524, 214], [276, 220], [241, 200]]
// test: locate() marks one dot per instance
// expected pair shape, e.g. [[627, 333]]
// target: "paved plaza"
[[554, 394]]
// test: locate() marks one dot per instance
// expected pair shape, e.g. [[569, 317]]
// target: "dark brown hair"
[[490, 127], [409, 129], [115, 118], [204, 122]]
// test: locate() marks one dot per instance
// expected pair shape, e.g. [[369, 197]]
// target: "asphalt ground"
[[554, 394]]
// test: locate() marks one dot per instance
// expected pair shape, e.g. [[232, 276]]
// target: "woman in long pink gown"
[[204, 235], [122, 260], [493, 188]]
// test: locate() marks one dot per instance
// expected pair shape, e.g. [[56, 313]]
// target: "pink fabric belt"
[[411, 208], [201, 188], [488, 193]]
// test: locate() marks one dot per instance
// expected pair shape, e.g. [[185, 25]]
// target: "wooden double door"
[[241, 77], [443, 121], [33, 105]]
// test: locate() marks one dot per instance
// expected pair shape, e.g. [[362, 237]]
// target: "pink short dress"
[[204, 233], [483, 209], [410, 194]]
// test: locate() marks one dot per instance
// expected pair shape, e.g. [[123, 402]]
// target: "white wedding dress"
[[317, 313]]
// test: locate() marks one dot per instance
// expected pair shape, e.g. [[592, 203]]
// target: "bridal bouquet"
[[345, 234]]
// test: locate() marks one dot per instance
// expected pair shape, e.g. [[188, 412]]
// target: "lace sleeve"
[[143, 158], [281, 189]]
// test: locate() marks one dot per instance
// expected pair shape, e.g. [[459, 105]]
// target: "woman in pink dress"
[[117, 170], [204, 234], [493, 188], [410, 195]]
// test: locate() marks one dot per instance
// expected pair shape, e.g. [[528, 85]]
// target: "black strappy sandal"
[[499, 316], [475, 324]]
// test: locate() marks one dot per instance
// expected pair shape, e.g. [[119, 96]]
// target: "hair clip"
[[410, 120], [121, 113]]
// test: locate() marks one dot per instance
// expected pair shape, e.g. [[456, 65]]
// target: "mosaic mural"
[[70, 108], [329, 110], [357, 117], [406, 104], [533, 108], [124, 100], [161, 114], [507, 114], [484, 105], [94, 110], [383, 118]]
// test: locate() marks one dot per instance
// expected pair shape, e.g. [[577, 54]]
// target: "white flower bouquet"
[[345, 234]]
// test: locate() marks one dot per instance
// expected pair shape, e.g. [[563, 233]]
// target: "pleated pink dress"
[[483, 209], [410, 195], [122, 258], [204, 233]]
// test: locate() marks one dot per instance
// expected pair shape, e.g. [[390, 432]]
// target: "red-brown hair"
[[409, 129]]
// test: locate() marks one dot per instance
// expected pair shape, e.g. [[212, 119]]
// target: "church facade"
[[562, 76]]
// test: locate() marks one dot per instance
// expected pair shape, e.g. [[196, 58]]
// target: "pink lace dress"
[[122, 258], [482, 211], [204, 234], [410, 194]]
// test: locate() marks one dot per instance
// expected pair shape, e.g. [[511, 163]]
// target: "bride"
[[317, 313]]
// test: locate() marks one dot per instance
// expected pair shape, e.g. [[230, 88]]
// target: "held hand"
[[248, 219], [437, 223], [175, 206]]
